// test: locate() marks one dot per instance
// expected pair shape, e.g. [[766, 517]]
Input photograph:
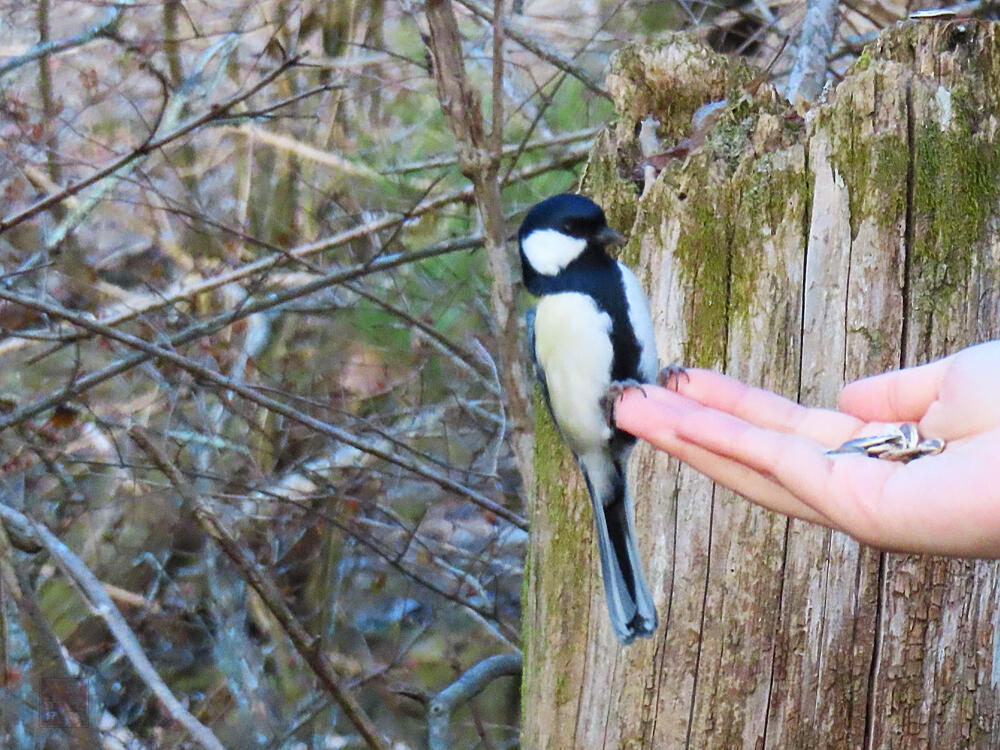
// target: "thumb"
[[901, 396]]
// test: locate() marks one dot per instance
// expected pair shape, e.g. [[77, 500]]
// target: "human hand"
[[772, 450]]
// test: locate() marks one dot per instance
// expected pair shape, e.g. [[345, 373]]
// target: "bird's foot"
[[672, 374], [614, 392]]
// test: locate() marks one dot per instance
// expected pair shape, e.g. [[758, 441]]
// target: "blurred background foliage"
[[343, 161]]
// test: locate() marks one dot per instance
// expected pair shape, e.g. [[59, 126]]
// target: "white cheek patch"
[[549, 251]]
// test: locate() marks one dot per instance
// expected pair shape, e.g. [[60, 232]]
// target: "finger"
[[760, 407], [843, 489], [901, 396], [968, 401], [655, 421], [740, 479], [940, 504]]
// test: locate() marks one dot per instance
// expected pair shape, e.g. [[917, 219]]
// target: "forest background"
[[265, 420]]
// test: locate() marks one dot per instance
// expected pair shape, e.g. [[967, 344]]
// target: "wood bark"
[[796, 255]]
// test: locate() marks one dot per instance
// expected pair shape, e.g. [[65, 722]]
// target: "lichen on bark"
[[956, 190]]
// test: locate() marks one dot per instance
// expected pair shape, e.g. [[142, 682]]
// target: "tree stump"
[[796, 254]]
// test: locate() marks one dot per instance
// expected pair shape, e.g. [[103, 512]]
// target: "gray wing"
[[641, 321], [529, 322]]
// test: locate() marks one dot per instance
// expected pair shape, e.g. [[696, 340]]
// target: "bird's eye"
[[567, 227]]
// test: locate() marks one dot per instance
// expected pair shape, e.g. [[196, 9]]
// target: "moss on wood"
[[710, 237], [956, 191], [670, 79]]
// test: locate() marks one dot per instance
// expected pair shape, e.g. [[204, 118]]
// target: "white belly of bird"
[[573, 347]]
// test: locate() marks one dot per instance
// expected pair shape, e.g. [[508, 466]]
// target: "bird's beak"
[[610, 238]]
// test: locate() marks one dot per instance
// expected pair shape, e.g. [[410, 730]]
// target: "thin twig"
[[439, 341], [496, 103], [266, 402], [214, 112], [808, 74], [186, 292], [102, 605], [266, 112], [305, 151], [540, 49], [469, 685], [267, 589], [508, 150], [61, 45]]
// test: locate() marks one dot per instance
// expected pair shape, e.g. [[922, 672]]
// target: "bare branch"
[[469, 685], [481, 164], [215, 112], [102, 605], [47, 662], [458, 354], [266, 402], [526, 40], [182, 292], [44, 49], [305, 151], [308, 646], [808, 74], [510, 149], [207, 327]]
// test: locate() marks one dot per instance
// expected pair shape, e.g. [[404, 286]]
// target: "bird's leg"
[[614, 392], [672, 373]]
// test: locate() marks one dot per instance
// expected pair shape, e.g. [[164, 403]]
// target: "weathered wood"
[[796, 256], [935, 680], [852, 327]]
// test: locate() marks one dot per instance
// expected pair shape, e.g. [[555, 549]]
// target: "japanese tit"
[[591, 334]]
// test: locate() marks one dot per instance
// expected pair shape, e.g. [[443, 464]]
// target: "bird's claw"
[[672, 372], [614, 392]]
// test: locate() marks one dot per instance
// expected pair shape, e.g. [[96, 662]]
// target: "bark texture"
[[794, 255]]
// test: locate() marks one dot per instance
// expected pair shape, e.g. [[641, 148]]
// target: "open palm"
[[772, 450]]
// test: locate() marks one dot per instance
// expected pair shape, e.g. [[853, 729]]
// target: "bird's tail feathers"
[[630, 605]]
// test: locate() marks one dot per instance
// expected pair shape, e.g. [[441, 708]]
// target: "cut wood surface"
[[796, 253]]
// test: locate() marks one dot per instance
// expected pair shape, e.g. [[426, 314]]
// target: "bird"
[[590, 336]]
